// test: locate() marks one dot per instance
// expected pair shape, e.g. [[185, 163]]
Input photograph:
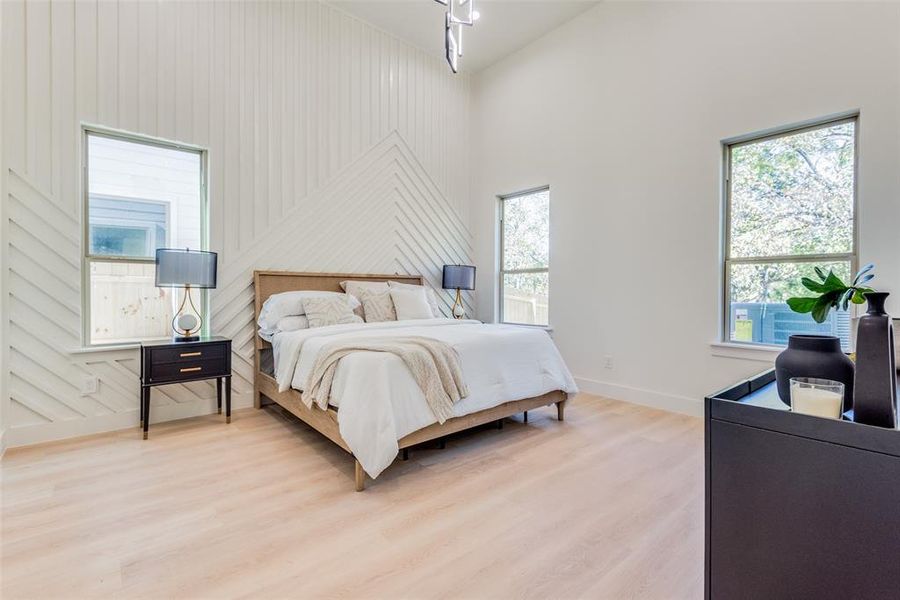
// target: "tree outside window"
[[791, 208]]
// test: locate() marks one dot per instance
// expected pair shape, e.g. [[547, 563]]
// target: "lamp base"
[[458, 310], [185, 338]]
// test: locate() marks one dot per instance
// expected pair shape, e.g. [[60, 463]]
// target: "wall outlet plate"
[[90, 385], [607, 361]]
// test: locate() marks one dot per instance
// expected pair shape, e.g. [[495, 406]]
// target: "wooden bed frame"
[[325, 422]]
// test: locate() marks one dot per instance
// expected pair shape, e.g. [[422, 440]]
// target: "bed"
[[490, 403]]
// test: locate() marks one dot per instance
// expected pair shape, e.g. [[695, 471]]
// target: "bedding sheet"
[[379, 401]]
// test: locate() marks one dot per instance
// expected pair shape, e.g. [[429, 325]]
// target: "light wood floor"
[[608, 504]]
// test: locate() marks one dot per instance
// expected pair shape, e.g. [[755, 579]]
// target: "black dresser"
[[167, 362], [798, 506]]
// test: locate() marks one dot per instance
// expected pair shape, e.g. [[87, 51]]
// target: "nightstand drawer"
[[188, 354], [189, 368]]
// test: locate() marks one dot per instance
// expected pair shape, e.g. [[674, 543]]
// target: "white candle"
[[817, 402]]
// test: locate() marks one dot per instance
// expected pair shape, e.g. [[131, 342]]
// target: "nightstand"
[[166, 362]]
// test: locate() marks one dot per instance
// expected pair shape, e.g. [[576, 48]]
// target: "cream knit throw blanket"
[[433, 364]]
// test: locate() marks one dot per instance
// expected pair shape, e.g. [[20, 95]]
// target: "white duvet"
[[378, 398]]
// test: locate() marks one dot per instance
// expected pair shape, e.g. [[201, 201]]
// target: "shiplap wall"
[[332, 147]]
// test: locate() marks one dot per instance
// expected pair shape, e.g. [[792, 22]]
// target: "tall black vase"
[[818, 356], [875, 396]]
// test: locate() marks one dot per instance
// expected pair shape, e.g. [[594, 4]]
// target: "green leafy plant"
[[833, 293]]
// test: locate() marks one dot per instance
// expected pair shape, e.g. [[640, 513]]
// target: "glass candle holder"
[[817, 397]]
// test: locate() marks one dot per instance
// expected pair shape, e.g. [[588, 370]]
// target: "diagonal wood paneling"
[[332, 146]]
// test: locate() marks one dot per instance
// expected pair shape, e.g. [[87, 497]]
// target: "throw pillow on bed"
[[355, 287], [329, 310], [378, 305], [410, 303], [429, 295]]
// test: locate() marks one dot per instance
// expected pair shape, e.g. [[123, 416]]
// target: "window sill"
[[757, 352], [109, 348]]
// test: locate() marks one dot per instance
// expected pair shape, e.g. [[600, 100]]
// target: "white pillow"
[[330, 310], [429, 295], [290, 304], [292, 323], [410, 303], [285, 324]]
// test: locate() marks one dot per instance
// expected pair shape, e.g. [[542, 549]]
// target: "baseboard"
[[3, 439], [16, 437], [669, 402]]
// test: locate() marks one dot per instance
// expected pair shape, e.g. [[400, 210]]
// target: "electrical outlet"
[[90, 385], [608, 361]]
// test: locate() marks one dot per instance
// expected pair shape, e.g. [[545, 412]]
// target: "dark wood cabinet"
[[168, 362], [798, 506]]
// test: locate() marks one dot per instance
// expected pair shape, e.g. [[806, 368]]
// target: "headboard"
[[266, 283]]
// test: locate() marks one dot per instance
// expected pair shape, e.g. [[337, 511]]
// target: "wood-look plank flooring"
[[608, 504]]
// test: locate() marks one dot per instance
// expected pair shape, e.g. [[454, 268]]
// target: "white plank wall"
[[332, 147]]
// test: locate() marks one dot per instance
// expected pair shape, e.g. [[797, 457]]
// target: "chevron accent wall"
[[332, 147]]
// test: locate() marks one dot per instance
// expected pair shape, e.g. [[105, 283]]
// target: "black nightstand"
[[167, 362]]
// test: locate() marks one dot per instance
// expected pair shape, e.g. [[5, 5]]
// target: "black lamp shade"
[[177, 268], [459, 277]]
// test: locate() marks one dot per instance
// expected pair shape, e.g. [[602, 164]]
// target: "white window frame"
[[853, 256], [502, 271], [88, 258]]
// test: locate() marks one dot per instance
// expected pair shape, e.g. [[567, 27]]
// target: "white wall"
[[621, 111], [4, 297], [332, 147]]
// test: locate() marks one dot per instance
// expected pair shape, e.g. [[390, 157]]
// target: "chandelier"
[[459, 13]]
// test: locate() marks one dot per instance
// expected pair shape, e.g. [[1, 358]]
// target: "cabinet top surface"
[[170, 343], [755, 403]]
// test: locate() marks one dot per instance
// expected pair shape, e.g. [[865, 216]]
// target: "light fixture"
[[187, 269], [459, 13], [458, 277]]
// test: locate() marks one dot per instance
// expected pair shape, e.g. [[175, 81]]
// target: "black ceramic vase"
[[875, 396], [818, 356]]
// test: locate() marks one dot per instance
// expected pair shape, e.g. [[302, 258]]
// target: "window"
[[790, 207], [140, 195], [525, 257]]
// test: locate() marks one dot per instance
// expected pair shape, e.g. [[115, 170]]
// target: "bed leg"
[[526, 416], [561, 410], [360, 477], [405, 454], [257, 398]]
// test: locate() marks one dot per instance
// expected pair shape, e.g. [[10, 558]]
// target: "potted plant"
[[874, 380], [832, 293], [821, 356]]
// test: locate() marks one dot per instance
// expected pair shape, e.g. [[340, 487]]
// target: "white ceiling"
[[504, 26]]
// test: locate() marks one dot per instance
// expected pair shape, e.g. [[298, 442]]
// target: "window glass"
[[791, 208], [142, 197], [525, 261]]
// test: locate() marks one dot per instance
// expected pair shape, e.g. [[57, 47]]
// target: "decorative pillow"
[[429, 295], [378, 305], [288, 304], [329, 310], [411, 303], [354, 287]]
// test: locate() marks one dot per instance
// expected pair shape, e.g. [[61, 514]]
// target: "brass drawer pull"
[[189, 369], [183, 354]]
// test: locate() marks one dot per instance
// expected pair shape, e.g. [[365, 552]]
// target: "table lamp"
[[187, 269], [459, 277]]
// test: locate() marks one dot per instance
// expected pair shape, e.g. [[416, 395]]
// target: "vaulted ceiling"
[[504, 26]]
